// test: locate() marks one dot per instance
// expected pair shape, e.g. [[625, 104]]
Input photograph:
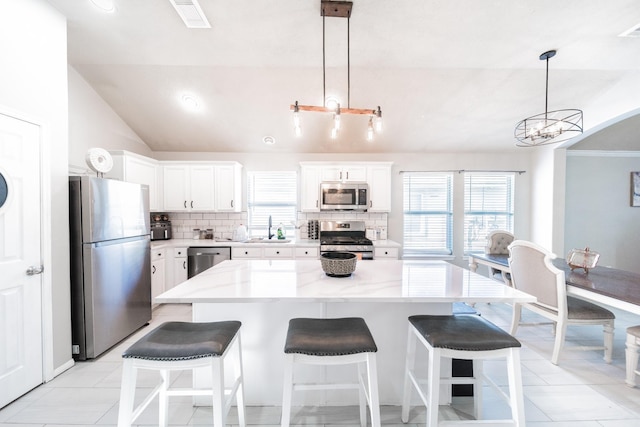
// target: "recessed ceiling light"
[[190, 102], [269, 140], [104, 5]]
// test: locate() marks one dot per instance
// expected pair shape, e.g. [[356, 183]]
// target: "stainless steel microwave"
[[336, 196]]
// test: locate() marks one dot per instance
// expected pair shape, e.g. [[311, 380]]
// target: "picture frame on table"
[[635, 189]]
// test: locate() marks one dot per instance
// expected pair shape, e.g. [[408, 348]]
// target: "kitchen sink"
[[261, 240]]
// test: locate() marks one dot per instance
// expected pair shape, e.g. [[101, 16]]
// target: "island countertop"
[[248, 281]]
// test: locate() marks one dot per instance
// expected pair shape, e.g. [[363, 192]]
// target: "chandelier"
[[339, 9], [549, 127]]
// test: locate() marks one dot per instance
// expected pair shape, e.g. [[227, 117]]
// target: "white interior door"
[[20, 292]]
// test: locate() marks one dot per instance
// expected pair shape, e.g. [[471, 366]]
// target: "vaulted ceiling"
[[449, 76]]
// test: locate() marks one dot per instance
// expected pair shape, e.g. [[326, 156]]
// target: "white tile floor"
[[582, 391]]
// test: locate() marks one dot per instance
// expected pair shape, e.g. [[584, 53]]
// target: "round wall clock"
[[4, 190]]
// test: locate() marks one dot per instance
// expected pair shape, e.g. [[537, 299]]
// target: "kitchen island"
[[265, 294]]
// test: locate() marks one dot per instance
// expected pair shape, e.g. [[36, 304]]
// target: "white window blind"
[[428, 214], [488, 206], [271, 194]]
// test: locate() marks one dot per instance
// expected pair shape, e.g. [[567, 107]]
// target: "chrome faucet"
[[269, 232]]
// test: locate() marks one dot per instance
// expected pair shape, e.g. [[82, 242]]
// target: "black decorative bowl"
[[338, 264]]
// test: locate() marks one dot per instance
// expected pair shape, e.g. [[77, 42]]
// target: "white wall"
[[94, 124], [598, 209], [33, 84]]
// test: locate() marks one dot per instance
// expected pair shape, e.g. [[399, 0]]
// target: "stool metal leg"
[[632, 354], [362, 395], [127, 393], [287, 390], [374, 403], [163, 398], [433, 387], [409, 366], [240, 391], [516, 398], [477, 388]]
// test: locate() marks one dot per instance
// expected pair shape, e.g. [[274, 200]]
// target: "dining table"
[[265, 294], [605, 285]]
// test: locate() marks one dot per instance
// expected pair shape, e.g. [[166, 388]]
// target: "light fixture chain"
[[348, 63], [324, 78], [546, 93]]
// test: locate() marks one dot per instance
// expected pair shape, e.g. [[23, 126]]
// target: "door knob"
[[35, 270]]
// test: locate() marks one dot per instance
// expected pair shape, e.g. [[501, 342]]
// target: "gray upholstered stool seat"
[[462, 332], [462, 336], [632, 354], [329, 337], [181, 346], [332, 342], [184, 340]]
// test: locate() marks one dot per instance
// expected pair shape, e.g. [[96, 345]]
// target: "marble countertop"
[[373, 281]]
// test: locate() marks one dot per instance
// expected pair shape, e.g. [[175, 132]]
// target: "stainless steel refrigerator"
[[110, 262]]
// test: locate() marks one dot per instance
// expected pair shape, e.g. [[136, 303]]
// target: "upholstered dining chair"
[[498, 242], [533, 272]]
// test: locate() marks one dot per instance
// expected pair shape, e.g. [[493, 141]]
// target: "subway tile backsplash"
[[223, 224]]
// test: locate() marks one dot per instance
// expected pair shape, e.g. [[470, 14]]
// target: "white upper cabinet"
[[228, 183], [379, 180], [206, 186], [188, 187], [310, 188], [132, 167], [346, 173]]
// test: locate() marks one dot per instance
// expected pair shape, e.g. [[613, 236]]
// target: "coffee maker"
[[160, 227]]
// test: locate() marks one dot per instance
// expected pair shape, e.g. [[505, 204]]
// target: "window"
[[427, 206], [488, 206], [271, 194]]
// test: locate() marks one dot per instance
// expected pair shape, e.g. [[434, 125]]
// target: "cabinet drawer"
[[385, 253], [157, 254], [278, 253], [179, 252], [306, 252], [246, 253]]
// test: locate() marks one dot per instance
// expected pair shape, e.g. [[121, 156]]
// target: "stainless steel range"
[[345, 236]]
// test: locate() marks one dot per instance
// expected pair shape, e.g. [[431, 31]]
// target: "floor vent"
[[191, 13]]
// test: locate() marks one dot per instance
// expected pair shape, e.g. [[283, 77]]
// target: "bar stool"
[[461, 337], [332, 342], [632, 353], [181, 346]]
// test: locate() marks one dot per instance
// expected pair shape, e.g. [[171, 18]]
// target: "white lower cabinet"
[[157, 274], [180, 272], [307, 252], [246, 253], [389, 253], [278, 253], [273, 252]]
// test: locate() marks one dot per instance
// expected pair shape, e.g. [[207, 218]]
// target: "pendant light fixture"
[[339, 9], [549, 127]]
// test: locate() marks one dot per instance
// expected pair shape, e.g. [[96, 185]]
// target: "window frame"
[[257, 222]]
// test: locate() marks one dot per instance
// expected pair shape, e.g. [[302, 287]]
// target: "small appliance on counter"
[[160, 227]]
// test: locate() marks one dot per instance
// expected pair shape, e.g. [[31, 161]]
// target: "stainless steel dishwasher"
[[199, 258]]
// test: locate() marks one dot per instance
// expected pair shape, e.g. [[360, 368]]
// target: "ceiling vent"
[[632, 32], [191, 13]]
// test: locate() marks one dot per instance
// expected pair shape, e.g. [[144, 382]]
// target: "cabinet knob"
[[246, 252], [192, 204], [184, 264], [231, 203], [185, 204], [154, 269]]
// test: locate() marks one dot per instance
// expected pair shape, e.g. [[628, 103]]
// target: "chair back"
[[498, 242], [533, 272]]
